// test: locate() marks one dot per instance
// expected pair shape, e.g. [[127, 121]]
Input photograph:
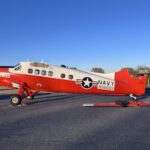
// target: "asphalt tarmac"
[[59, 122]]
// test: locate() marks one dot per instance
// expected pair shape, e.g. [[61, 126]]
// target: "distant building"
[[140, 71], [130, 70], [144, 72]]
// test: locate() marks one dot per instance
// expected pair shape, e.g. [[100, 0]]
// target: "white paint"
[[4, 74], [106, 85], [15, 85], [88, 105], [87, 82]]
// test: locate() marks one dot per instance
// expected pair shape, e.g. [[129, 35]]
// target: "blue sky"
[[83, 33]]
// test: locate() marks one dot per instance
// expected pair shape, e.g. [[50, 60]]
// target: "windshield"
[[17, 67]]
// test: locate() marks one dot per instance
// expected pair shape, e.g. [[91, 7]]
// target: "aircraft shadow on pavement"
[[147, 94], [45, 97], [5, 89], [4, 97], [50, 97], [8, 96], [56, 98]]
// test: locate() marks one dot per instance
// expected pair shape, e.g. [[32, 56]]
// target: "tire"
[[15, 100]]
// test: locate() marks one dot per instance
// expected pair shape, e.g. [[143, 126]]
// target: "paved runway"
[[59, 122]]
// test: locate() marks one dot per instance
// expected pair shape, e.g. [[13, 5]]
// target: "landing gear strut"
[[23, 92]]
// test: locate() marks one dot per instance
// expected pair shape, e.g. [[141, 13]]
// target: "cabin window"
[[37, 72], [70, 77], [50, 73], [62, 75], [30, 71], [43, 72]]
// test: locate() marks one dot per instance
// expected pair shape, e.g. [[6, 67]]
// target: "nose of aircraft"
[[3, 72]]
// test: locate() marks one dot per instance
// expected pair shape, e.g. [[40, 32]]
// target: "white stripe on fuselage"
[[4, 74], [15, 85]]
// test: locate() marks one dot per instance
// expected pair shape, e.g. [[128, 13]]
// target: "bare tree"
[[143, 69], [140, 67], [131, 70]]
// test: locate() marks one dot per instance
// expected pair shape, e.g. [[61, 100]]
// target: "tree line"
[[133, 71]]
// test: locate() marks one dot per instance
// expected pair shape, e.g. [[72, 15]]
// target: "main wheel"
[[15, 100]]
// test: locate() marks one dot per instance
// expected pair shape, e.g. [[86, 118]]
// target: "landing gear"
[[15, 100], [31, 97], [23, 92]]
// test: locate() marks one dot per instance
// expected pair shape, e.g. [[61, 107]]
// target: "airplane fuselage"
[[49, 78]]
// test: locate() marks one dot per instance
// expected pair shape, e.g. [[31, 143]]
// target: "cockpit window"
[[18, 67]]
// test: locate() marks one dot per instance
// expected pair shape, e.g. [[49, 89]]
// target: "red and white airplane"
[[32, 77]]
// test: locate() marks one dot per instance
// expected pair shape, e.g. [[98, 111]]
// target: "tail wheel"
[[134, 97], [15, 100]]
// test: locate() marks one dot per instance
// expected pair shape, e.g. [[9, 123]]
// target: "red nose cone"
[[3, 70]]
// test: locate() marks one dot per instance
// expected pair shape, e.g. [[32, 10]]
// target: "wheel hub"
[[15, 100]]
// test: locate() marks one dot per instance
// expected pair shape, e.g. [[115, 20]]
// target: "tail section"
[[141, 85], [130, 84]]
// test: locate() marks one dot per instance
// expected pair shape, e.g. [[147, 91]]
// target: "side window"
[[43, 73], [70, 77], [30, 71], [37, 71], [62, 75], [50, 73]]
